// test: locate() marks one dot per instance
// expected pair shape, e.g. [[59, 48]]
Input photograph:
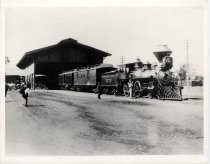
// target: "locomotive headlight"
[[167, 63], [169, 60]]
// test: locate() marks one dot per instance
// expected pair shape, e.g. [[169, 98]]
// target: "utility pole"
[[122, 59], [7, 60], [187, 44]]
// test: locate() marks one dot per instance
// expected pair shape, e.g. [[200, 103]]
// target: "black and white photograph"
[[98, 81]]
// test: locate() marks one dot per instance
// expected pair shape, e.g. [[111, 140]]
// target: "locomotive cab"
[[125, 70]]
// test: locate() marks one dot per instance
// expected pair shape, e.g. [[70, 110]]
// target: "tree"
[[182, 72], [199, 77]]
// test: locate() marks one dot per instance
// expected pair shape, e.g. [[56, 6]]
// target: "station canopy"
[[67, 52]]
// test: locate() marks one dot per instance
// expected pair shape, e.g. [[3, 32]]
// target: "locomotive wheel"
[[137, 88], [126, 90], [78, 89]]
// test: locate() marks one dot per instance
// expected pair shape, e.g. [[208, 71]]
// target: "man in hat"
[[6, 89], [99, 90], [130, 86], [25, 92]]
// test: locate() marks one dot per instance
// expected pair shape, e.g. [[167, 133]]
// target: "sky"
[[121, 31]]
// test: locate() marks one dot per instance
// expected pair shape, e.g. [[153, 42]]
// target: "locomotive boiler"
[[153, 80]]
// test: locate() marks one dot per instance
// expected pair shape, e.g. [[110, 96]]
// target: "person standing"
[[130, 86], [6, 89], [99, 90], [25, 92]]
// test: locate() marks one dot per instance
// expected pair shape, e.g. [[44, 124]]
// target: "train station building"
[[43, 65]]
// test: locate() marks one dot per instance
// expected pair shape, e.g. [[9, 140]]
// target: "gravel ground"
[[74, 123]]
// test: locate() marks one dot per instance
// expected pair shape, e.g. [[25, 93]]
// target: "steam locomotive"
[[153, 80]]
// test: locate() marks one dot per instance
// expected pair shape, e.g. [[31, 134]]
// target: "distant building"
[[15, 79], [48, 62], [192, 83]]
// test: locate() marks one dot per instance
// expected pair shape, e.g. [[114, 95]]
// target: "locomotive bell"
[[161, 52]]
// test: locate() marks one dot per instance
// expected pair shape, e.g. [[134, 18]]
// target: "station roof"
[[29, 57]]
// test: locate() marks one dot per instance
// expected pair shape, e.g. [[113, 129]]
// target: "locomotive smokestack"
[[161, 52]]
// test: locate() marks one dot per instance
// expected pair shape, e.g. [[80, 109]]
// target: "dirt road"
[[72, 123]]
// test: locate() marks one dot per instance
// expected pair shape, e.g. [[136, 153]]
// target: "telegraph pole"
[[7, 60], [122, 59], [187, 44]]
